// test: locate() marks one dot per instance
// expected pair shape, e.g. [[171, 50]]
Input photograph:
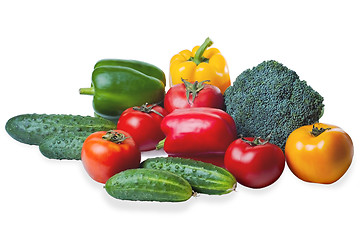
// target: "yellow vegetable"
[[202, 63]]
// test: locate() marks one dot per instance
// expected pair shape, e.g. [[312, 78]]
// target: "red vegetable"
[[198, 133], [143, 125], [254, 162], [106, 153], [190, 95]]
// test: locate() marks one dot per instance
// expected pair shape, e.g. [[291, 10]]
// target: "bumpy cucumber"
[[203, 177], [33, 128], [63, 146], [148, 185]]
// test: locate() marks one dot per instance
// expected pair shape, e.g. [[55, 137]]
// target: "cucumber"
[[33, 128], [203, 177], [63, 146], [148, 185]]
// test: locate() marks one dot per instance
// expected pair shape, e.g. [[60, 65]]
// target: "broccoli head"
[[271, 99]]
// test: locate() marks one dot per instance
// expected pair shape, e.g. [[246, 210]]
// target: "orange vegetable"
[[319, 153], [106, 153]]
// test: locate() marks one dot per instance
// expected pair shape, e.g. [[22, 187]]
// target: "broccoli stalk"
[[271, 99]]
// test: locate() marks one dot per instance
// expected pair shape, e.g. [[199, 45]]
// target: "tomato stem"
[[316, 131], [146, 108], [114, 137], [193, 88], [257, 140]]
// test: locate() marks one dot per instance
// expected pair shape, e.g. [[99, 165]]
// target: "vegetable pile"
[[215, 135]]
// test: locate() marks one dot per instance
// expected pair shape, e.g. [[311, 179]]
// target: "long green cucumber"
[[33, 128], [63, 146], [203, 177], [148, 185]]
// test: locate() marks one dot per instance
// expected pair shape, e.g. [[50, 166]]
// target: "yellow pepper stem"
[[198, 58]]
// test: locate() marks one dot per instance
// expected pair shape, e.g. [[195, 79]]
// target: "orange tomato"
[[319, 153], [106, 153]]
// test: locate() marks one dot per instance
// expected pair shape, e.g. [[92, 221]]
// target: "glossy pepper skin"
[[202, 63], [144, 67], [117, 88], [198, 132]]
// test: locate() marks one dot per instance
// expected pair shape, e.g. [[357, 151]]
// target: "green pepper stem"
[[198, 58], [87, 91]]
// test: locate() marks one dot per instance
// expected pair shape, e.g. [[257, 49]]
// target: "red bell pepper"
[[199, 133]]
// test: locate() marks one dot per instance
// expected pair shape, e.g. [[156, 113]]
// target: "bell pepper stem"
[[87, 91], [198, 58], [160, 145]]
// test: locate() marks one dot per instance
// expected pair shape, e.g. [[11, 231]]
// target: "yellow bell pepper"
[[202, 63]]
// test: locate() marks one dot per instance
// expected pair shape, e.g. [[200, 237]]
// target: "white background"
[[47, 52]]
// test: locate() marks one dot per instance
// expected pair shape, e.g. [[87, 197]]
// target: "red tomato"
[[143, 124], [189, 95], [106, 153], [255, 165]]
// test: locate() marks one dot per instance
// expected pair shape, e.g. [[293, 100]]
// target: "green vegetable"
[[203, 177], [148, 185], [63, 146], [116, 88], [271, 99], [33, 128], [144, 67]]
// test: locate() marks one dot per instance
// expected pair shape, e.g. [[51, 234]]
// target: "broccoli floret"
[[271, 99]]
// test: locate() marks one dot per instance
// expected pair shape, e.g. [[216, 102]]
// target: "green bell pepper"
[[121, 84], [140, 66]]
